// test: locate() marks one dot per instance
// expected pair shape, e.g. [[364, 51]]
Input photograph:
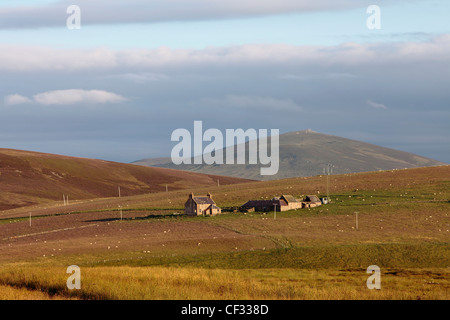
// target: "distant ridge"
[[307, 153], [28, 178]]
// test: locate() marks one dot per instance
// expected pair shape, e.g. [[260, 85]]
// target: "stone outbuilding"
[[292, 202], [311, 201]]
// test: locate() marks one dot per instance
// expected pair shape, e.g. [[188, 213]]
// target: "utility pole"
[[275, 212], [119, 193], [121, 214], [328, 186], [218, 183], [328, 170], [167, 189], [30, 219], [357, 220]]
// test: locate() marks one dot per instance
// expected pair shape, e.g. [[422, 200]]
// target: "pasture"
[[152, 251]]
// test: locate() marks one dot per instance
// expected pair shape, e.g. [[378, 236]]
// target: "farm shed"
[[311, 201], [292, 202], [197, 206]]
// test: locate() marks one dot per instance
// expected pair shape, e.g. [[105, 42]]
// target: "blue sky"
[[137, 70], [417, 20]]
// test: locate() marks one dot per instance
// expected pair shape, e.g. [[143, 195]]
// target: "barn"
[[265, 205]]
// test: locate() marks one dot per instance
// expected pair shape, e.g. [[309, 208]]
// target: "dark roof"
[[290, 198], [312, 198], [264, 203], [203, 200]]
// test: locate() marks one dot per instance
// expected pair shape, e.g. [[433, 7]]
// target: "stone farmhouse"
[[198, 206]]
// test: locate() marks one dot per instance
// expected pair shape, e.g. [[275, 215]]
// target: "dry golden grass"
[[11, 293], [197, 284]]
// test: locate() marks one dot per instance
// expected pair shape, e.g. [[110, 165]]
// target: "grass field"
[[128, 282], [155, 253]]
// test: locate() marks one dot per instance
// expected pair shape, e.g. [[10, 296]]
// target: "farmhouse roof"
[[289, 198], [203, 200]]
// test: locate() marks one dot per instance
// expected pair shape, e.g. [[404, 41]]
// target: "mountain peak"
[[308, 131], [307, 153]]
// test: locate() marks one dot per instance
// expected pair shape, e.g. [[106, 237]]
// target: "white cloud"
[[67, 97], [77, 96], [37, 58], [14, 99], [376, 105]]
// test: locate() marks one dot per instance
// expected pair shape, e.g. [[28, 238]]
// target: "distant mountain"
[[307, 153], [28, 178]]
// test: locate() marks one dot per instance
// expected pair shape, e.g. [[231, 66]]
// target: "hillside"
[[28, 178], [317, 253], [307, 153]]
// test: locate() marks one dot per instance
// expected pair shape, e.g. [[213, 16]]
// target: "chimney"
[[209, 195], [191, 195]]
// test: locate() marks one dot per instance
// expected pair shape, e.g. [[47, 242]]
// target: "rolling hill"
[[28, 178], [307, 153], [316, 253]]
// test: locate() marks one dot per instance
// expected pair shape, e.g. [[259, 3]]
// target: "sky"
[[136, 70]]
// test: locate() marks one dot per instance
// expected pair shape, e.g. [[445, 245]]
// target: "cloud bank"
[[339, 90], [151, 11], [35, 58]]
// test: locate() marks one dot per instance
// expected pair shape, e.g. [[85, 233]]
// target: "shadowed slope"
[[27, 178]]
